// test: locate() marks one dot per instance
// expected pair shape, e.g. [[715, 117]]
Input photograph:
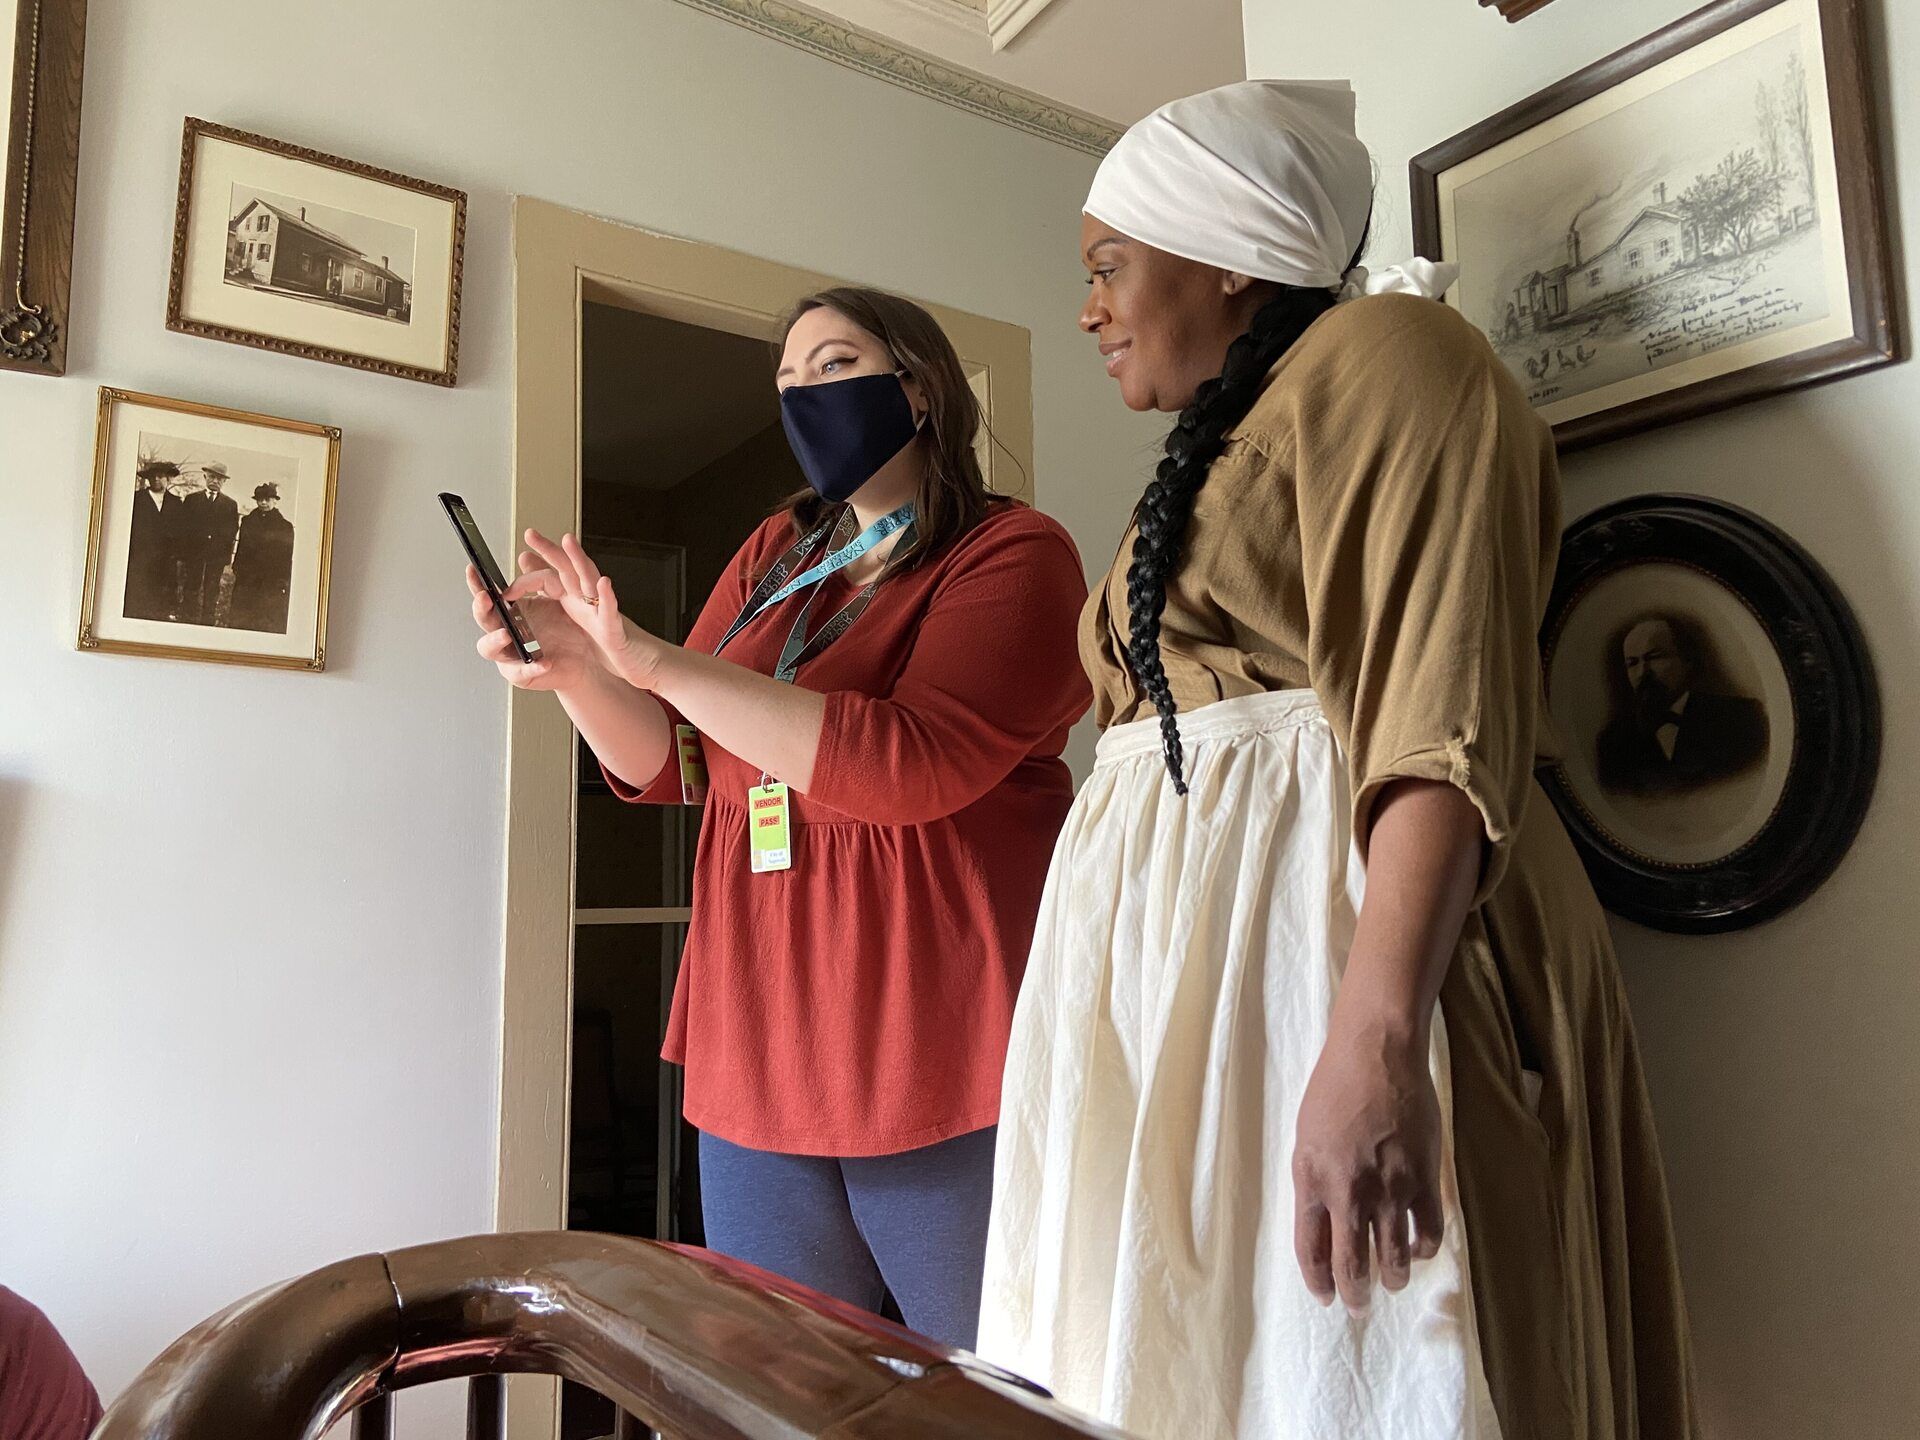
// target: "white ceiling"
[[1117, 59], [663, 400]]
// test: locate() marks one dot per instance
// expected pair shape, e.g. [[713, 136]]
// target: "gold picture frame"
[[42, 44], [159, 561], [332, 300]]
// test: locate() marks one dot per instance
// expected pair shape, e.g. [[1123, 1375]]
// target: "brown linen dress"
[[1382, 529]]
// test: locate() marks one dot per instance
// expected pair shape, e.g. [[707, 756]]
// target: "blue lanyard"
[[775, 588], [840, 559]]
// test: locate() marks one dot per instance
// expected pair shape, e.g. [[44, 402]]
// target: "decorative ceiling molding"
[[881, 58], [1007, 18], [1516, 9]]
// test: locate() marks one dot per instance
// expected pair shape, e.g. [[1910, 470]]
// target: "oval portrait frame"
[[1835, 699]]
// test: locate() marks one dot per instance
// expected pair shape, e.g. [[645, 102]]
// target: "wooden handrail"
[[694, 1345]]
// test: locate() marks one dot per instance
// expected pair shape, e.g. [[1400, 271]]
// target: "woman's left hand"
[[561, 572], [1366, 1161]]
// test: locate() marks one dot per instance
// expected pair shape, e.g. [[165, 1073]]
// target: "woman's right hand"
[[568, 657]]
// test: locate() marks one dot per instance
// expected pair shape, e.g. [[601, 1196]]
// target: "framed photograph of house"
[[211, 535], [1717, 712], [1692, 223], [41, 48], [312, 255]]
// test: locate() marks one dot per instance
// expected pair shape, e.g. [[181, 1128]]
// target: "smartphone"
[[476, 547]]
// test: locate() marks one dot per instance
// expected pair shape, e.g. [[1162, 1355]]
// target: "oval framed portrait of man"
[[1716, 711]]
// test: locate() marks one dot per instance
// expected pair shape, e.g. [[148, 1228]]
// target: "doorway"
[[645, 419], [682, 455]]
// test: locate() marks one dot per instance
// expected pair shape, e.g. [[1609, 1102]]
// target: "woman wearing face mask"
[[1320, 996], [880, 689]]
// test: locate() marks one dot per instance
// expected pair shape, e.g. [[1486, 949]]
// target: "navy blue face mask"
[[843, 432]]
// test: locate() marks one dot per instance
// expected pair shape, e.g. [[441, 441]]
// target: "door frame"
[[563, 258]]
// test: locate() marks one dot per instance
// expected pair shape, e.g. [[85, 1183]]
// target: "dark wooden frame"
[[196, 130], [1876, 338], [1836, 711], [1517, 9], [40, 175]]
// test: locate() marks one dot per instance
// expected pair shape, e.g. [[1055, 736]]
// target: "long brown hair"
[[953, 494]]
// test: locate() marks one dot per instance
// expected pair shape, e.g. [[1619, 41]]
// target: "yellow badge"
[[769, 829], [693, 765]]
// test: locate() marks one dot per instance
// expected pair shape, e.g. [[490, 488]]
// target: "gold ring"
[[593, 600]]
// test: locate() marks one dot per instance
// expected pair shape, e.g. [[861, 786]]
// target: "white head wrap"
[[1265, 178]]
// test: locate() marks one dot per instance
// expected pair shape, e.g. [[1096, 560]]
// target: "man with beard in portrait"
[[1672, 736]]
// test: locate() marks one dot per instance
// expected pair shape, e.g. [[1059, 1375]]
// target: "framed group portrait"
[[211, 534], [1692, 223], [288, 249], [1717, 712]]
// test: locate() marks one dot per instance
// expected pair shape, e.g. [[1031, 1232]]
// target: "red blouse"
[[859, 1003]]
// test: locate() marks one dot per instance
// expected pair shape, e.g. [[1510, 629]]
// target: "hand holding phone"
[[524, 643]]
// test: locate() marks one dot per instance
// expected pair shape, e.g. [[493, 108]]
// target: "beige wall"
[[1117, 59], [1785, 1061], [250, 922]]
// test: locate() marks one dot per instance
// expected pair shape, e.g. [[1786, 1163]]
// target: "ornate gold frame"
[[87, 640], [39, 175], [196, 130]]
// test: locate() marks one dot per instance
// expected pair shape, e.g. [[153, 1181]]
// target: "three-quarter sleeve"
[[994, 671], [1426, 495]]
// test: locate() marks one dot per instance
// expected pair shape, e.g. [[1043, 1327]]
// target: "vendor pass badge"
[[769, 828]]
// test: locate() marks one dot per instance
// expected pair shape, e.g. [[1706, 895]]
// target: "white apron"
[[1140, 1259]]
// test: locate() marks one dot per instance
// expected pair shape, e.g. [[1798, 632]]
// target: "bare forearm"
[[625, 728], [766, 722], [1423, 861]]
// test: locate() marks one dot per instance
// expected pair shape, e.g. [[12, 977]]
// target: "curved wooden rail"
[[693, 1345]]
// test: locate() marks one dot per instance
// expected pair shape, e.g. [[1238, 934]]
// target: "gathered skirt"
[[1140, 1257]]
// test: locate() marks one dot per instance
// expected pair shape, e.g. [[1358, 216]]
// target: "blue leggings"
[[914, 1224]]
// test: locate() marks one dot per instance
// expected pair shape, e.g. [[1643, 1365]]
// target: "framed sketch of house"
[[1694, 222], [41, 49], [289, 249]]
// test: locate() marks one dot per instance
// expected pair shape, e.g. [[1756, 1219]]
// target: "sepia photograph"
[[209, 541], [285, 248], [279, 245], [1676, 713], [1674, 230], [211, 534], [1716, 711]]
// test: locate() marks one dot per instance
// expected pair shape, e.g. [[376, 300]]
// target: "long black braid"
[[1196, 441]]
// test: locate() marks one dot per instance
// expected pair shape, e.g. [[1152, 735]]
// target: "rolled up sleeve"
[[1421, 535]]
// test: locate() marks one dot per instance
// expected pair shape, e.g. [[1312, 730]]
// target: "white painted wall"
[[250, 922], [1117, 59], [1785, 1062]]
